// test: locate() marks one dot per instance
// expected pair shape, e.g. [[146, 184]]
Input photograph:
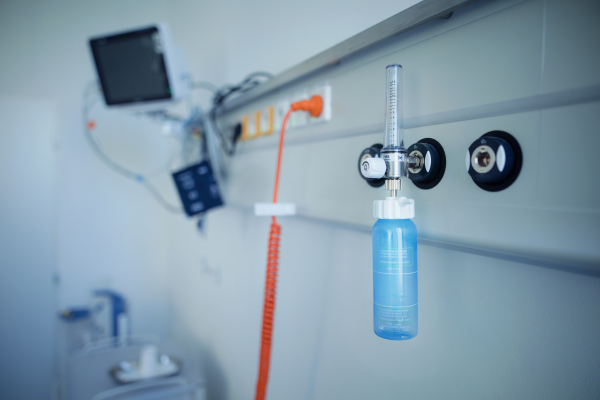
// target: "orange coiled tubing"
[[268, 309], [270, 285], [314, 106]]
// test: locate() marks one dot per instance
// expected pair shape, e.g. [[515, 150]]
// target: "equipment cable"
[[226, 92], [219, 96], [87, 104]]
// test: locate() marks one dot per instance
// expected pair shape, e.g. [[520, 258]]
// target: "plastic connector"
[[314, 106]]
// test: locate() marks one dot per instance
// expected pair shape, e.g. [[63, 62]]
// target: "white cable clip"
[[274, 209]]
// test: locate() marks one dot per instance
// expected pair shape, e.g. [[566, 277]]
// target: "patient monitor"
[[141, 70]]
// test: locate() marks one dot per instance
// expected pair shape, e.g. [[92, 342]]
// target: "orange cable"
[[314, 106], [279, 155], [270, 283]]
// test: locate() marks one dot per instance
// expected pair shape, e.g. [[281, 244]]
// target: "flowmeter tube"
[[393, 152], [394, 163], [394, 130]]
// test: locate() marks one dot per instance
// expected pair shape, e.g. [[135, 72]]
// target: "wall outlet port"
[[299, 119], [249, 126], [322, 89], [266, 121], [281, 109]]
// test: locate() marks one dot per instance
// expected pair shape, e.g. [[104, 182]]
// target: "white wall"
[[90, 225], [226, 40], [209, 289], [489, 327], [216, 281], [108, 230], [27, 246]]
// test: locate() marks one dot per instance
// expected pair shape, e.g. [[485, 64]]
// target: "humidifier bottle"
[[395, 294]]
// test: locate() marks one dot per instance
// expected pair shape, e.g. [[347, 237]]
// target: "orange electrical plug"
[[314, 106]]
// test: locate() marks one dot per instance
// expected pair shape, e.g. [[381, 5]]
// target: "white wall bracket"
[[274, 209]]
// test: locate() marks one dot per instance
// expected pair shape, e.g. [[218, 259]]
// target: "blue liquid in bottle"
[[395, 299]]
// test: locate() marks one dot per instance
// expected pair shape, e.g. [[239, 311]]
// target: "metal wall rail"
[[539, 102], [582, 266]]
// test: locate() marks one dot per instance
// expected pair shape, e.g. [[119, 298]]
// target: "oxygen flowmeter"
[[395, 289], [424, 162], [392, 164]]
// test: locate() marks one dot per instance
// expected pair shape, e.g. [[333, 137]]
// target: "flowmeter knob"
[[494, 161], [368, 153], [373, 168]]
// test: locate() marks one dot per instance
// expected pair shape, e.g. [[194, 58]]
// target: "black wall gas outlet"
[[431, 163], [494, 161]]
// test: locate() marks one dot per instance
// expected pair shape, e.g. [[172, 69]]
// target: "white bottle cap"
[[373, 168], [394, 208]]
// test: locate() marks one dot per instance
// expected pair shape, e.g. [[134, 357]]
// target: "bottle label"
[[386, 315], [395, 260], [395, 287], [395, 283]]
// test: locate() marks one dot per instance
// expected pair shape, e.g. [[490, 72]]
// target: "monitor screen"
[[131, 67]]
